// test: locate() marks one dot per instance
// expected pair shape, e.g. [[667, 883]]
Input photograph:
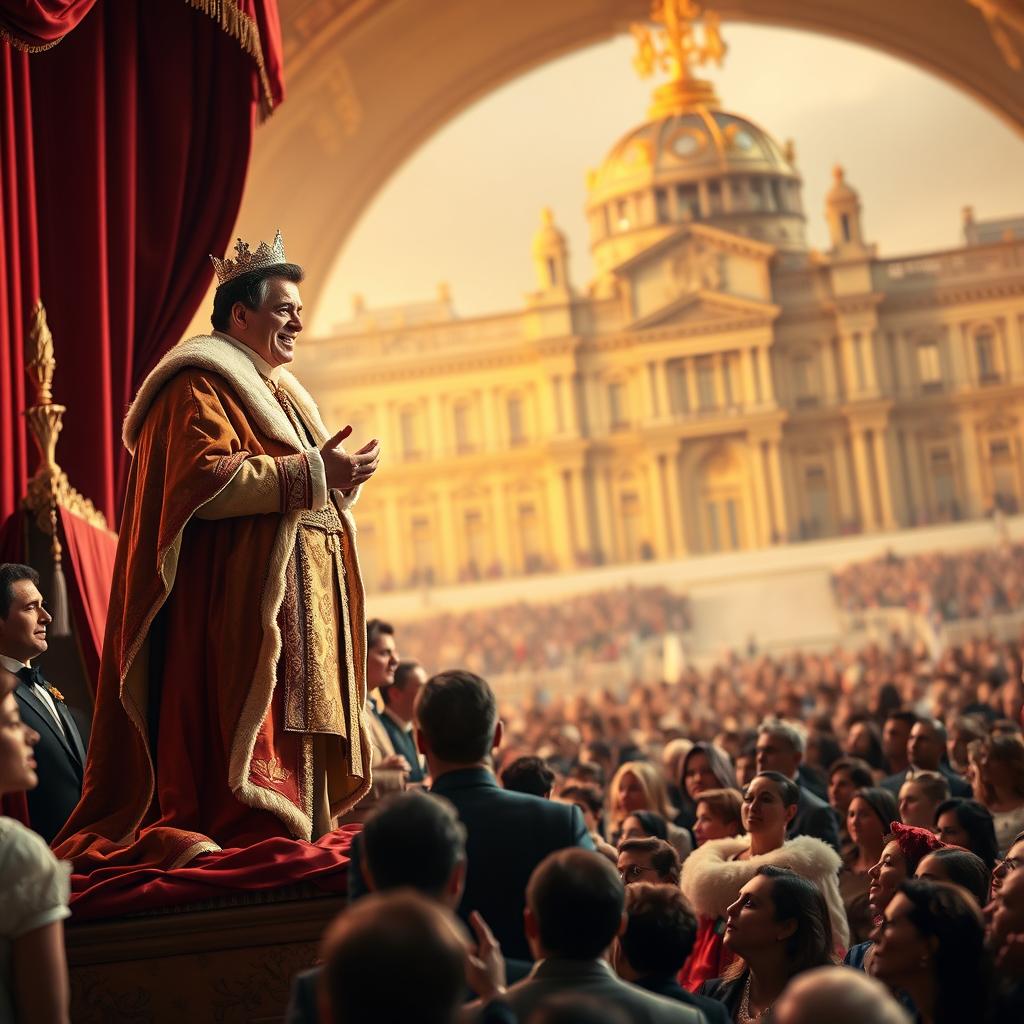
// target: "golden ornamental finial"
[[246, 260], [677, 49]]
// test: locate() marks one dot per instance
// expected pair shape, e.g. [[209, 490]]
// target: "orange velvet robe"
[[229, 704]]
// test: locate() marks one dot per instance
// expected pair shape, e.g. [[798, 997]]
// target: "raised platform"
[[224, 966]]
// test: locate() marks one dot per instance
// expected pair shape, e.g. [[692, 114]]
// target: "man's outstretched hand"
[[345, 471]]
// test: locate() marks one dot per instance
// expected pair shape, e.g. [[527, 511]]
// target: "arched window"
[[985, 354], [929, 364], [463, 429], [618, 405], [516, 425]]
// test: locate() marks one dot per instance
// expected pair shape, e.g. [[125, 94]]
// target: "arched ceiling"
[[370, 80]]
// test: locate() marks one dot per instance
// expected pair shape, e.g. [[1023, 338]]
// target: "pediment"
[[706, 311], [723, 270]]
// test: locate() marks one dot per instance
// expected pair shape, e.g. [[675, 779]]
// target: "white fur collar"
[[208, 352], [711, 878]]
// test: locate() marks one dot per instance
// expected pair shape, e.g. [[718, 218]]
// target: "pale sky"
[[464, 207]]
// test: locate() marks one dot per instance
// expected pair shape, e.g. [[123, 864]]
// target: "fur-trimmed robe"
[[712, 880], [216, 724]]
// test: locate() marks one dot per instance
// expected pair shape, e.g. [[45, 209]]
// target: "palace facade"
[[718, 386]]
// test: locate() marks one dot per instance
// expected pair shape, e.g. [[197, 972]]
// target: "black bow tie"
[[31, 676]]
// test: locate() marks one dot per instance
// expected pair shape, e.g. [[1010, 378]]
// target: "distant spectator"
[[864, 742], [926, 752], [704, 767], [867, 821], [639, 786], [528, 775], [895, 737], [845, 777], [719, 815], [920, 798], [643, 825], [1002, 776], [967, 823]]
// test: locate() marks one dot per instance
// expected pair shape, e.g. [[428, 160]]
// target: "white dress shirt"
[[12, 665]]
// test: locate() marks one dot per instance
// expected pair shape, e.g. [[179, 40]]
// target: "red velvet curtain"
[[141, 124]]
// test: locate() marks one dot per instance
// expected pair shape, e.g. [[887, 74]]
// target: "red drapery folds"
[[142, 118]]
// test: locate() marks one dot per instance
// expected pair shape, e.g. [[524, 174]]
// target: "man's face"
[[924, 748], [23, 632], [894, 739], [774, 754], [381, 662], [636, 867], [271, 330], [402, 701]]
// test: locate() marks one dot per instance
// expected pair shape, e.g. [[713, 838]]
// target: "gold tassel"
[[243, 28], [61, 626]]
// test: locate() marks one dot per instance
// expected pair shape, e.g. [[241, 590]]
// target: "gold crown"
[[247, 261]]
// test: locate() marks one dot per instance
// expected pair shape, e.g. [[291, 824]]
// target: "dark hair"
[[402, 673], [965, 869], [457, 714], [945, 913], [976, 820], [664, 857], [651, 822], [721, 767], [829, 750], [882, 802], [661, 929], [576, 897], [528, 775], [874, 756], [11, 573], [587, 793], [250, 290], [375, 628], [797, 899], [418, 821], [387, 936], [789, 791], [901, 715], [858, 770]]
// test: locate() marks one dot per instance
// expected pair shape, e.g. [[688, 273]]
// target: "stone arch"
[[719, 498], [369, 82]]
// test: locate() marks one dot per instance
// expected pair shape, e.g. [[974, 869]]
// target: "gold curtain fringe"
[[243, 28], [20, 44]]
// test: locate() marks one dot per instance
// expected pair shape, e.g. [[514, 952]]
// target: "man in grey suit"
[[575, 906], [780, 748]]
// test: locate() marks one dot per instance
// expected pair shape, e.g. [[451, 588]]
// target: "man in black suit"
[[574, 911], [926, 752], [661, 929], [507, 834], [780, 748], [60, 752], [399, 700]]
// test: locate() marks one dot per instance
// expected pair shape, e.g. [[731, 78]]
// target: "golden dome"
[[548, 237], [700, 143]]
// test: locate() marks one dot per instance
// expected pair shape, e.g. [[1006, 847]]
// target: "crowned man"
[[229, 705]]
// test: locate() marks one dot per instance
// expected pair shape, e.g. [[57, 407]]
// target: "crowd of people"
[[964, 585], [593, 627], [811, 838]]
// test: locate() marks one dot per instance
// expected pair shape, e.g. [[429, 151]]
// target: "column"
[[489, 415], [1015, 346], [582, 543], [778, 490], [449, 548], [958, 356], [718, 369], [830, 378], [862, 472], [847, 502], [602, 507], [761, 502], [751, 395], [556, 394], [560, 532], [656, 492], [851, 365], [675, 502], [692, 395], [765, 374], [438, 435], [919, 499], [661, 384], [500, 528], [869, 358], [881, 453], [975, 503]]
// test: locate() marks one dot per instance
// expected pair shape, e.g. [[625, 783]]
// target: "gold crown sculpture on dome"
[[676, 48], [246, 261]]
